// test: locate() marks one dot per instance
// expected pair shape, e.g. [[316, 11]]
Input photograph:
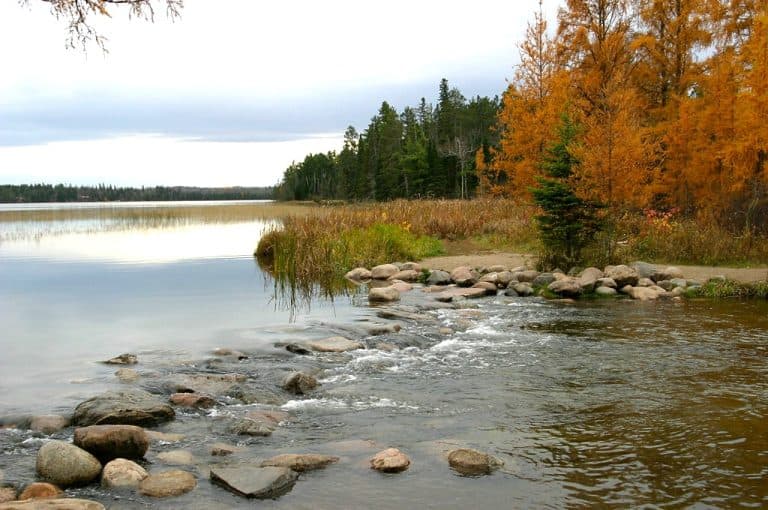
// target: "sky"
[[233, 91]]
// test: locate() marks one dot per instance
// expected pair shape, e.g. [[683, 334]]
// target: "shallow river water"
[[607, 404]]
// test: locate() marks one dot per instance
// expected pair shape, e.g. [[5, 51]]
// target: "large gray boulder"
[[126, 407], [255, 482], [464, 276], [588, 278], [107, 442], [644, 269], [622, 275], [66, 465], [543, 279], [438, 277]]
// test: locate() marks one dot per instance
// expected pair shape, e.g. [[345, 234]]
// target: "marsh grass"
[[724, 289]]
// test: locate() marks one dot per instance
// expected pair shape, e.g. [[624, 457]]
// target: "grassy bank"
[[331, 239]]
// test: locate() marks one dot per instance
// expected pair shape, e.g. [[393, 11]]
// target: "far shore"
[[703, 273]]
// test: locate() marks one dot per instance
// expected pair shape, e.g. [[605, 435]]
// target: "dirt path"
[[511, 260]]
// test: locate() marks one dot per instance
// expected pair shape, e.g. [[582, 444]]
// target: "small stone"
[[167, 483], [40, 490], [192, 400], [445, 331], [255, 482], [386, 347], [49, 424], [334, 344], [299, 383], [123, 359], [247, 427], [177, 458], [122, 473], [300, 462], [297, 349], [127, 375], [383, 295], [390, 460], [222, 449], [107, 442], [472, 462], [66, 465]]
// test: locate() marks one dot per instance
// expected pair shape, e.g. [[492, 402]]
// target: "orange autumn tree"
[[530, 113]]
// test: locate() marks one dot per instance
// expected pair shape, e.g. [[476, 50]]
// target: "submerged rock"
[[52, 504], [168, 483], [222, 449], [255, 482], [451, 293], [298, 349], [299, 383], [177, 458], [390, 460], [107, 442], [127, 407], [123, 359], [127, 375], [300, 462], [472, 462], [334, 344], [40, 490], [122, 473], [49, 424], [66, 465]]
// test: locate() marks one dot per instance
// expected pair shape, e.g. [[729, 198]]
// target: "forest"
[[102, 193], [668, 100]]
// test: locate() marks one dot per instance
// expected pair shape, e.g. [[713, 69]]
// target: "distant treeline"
[[10, 193], [425, 151]]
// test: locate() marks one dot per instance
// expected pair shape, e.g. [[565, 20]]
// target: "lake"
[[600, 404]]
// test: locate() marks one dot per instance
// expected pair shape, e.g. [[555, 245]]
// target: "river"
[[601, 404]]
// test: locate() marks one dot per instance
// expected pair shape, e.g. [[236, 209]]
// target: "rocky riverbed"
[[243, 424]]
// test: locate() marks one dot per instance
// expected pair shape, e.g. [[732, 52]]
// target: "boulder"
[[40, 490], [255, 482], [643, 293], [606, 282], [677, 292], [176, 458], [300, 462], [383, 295], [511, 293], [358, 274], [464, 276], [645, 282], [451, 293], [66, 465], [298, 349], [334, 344], [678, 282], [543, 280], [490, 278], [410, 266], [606, 291], [473, 463], [401, 286], [569, 287], [644, 269], [49, 424], [438, 277], [525, 276], [498, 268], [667, 273], [390, 460], [523, 289], [384, 271], [299, 383], [107, 442], [489, 288], [622, 275], [122, 473], [192, 400], [127, 375], [167, 483], [407, 275], [52, 504], [123, 359], [126, 407], [503, 278], [588, 278]]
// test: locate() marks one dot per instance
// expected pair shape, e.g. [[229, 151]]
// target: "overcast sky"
[[235, 90]]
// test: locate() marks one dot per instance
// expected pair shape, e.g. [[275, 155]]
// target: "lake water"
[[597, 405]]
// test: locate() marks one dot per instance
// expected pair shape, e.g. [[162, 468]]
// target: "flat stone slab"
[[449, 295], [300, 462], [334, 344], [52, 504], [255, 482], [128, 407]]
